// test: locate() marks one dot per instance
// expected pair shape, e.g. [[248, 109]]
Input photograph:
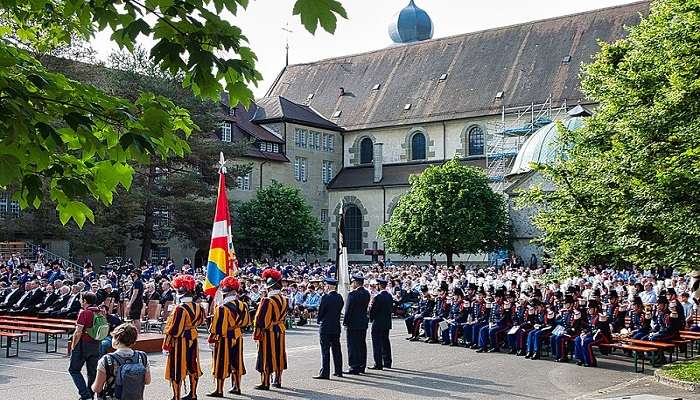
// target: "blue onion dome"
[[412, 24]]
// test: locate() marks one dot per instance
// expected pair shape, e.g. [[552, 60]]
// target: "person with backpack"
[[90, 328], [227, 338], [181, 339], [123, 374]]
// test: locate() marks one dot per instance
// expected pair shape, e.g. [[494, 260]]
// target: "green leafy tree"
[[76, 142], [628, 183], [278, 221], [450, 209]]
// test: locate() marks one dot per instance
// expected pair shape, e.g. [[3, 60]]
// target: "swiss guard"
[[269, 331], [226, 336], [180, 342]]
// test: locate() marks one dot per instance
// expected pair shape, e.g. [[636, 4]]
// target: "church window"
[[476, 141], [353, 229], [366, 151], [418, 146]]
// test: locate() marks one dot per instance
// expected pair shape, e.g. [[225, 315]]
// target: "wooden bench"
[[636, 351], [42, 319], [49, 334], [10, 336]]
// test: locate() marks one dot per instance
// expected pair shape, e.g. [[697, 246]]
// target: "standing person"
[[180, 343], [136, 300], [356, 321], [86, 350], [227, 338], [380, 315], [107, 385], [269, 331], [329, 318]]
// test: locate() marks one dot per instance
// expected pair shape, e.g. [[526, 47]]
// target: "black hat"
[[482, 291], [511, 293], [592, 304], [559, 295], [670, 291], [472, 286], [423, 288], [331, 281], [568, 299], [444, 287], [537, 292], [637, 301], [458, 292], [613, 294], [500, 293], [358, 277], [381, 281], [662, 300], [535, 302]]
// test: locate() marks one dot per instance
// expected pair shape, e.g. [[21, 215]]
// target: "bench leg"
[[9, 346], [47, 339], [28, 337]]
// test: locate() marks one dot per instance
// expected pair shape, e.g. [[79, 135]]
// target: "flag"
[[341, 261], [222, 257]]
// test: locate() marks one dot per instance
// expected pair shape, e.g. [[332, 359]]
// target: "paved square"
[[422, 371]]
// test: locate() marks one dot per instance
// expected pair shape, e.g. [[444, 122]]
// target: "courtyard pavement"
[[420, 371]]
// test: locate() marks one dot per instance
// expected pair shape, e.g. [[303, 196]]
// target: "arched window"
[[418, 146], [366, 151], [353, 229], [476, 141]]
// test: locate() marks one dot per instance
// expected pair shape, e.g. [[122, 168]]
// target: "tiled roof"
[[278, 108]]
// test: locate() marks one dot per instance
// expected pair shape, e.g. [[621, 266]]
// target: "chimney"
[[378, 173]]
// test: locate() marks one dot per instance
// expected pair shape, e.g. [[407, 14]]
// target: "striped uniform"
[[269, 331], [226, 335], [181, 341]]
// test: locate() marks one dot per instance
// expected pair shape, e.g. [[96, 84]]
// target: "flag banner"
[[222, 257], [342, 268]]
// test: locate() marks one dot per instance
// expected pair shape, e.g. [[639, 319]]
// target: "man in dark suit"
[[59, 303], [12, 298], [380, 315], [32, 297], [50, 299], [329, 318], [356, 322], [72, 307]]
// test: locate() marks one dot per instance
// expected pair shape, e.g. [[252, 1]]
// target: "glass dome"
[[411, 24], [540, 148]]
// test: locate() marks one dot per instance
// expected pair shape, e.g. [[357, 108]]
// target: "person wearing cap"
[[542, 322], [497, 324], [440, 312], [329, 320], [568, 326], [663, 325], [425, 308], [455, 319], [477, 318], [380, 316], [519, 318], [595, 330], [356, 322], [181, 344], [269, 331], [615, 314], [639, 325], [675, 306], [225, 334]]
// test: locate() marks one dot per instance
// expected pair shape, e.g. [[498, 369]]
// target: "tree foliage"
[[450, 209], [278, 221], [628, 184], [75, 142]]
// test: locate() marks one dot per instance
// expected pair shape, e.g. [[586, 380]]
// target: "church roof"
[[459, 76], [277, 108], [392, 174]]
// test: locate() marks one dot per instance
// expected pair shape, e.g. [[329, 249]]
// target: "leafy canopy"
[[278, 221], [74, 141], [450, 209], [628, 188]]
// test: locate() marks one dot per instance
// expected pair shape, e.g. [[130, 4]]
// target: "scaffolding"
[[505, 137]]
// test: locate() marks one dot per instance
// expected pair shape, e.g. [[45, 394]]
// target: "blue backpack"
[[129, 375]]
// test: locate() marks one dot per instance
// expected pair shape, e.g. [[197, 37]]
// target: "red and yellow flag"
[[222, 256]]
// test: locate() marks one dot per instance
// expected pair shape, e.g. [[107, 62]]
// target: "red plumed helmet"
[[271, 276], [184, 282], [229, 284]]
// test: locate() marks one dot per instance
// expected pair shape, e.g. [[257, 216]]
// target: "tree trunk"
[[449, 259], [148, 220]]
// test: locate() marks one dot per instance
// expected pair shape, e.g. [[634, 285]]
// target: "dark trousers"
[[85, 353], [381, 348], [331, 343], [357, 349]]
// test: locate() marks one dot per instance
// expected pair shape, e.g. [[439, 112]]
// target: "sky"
[[366, 28]]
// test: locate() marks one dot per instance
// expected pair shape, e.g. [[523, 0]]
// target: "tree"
[[75, 142], [628, 182], [450, 209], [278, 221]]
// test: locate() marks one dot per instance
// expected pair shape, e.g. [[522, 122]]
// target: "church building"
[[393, 112]]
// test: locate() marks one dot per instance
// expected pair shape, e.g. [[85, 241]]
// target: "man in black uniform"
[[380, 315], [329, 318], [356, 321]]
